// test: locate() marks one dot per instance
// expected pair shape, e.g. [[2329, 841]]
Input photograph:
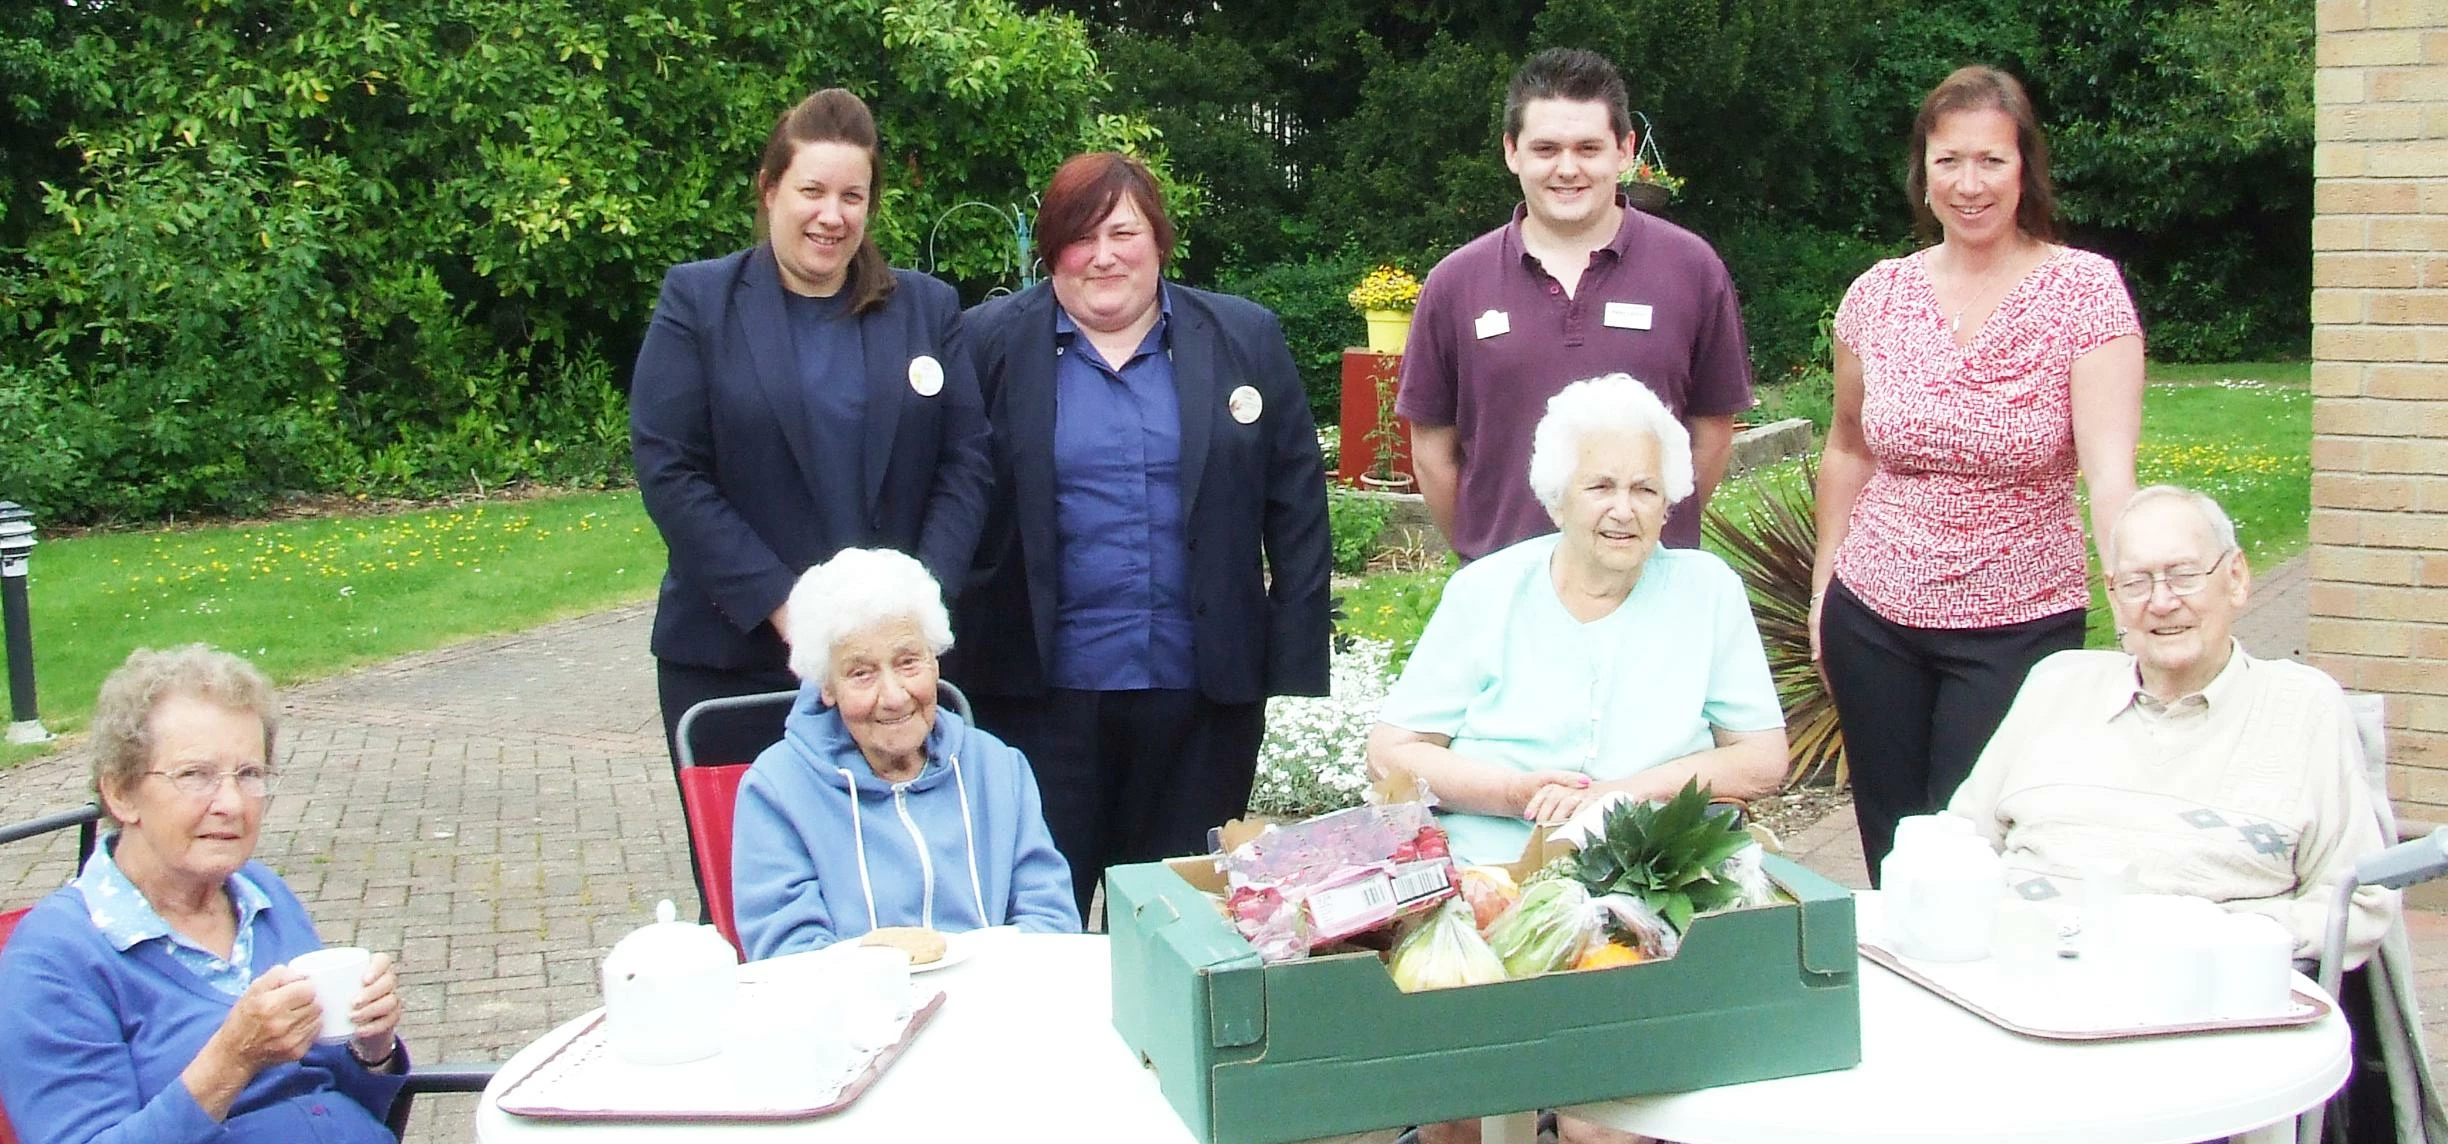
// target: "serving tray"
[[585, 1080], [2011, 1003]]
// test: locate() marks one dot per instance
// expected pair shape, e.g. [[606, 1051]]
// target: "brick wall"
[[2379, 595]]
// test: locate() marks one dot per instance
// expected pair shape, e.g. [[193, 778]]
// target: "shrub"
[[1354, 519], [1791, 277], [1317, 319], [406, 245]]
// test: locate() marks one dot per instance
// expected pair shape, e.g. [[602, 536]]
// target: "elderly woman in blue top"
[[1590, 660], [878, 808], [149, 1000]]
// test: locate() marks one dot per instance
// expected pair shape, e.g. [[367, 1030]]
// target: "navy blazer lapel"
[[1028, 403], [1198, 368], [758, 299], [888, 346]]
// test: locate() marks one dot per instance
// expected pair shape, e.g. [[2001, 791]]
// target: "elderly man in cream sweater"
[[2215, 774]]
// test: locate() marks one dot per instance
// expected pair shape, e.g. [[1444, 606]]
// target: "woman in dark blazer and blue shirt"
[[792, 400], [1155, 566]]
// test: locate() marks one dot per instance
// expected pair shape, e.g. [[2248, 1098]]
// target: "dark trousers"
[[724, 737], [2367, 1114], [1918, 704], [1130, 776]]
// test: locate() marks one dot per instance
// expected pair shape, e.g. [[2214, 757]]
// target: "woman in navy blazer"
[[792, 400], [1156, 562]]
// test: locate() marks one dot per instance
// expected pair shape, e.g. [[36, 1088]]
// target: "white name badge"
[[926, 376], [1492, 323], [1628, 315], [1245, 404]]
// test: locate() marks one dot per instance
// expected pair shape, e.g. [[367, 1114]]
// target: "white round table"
[[1931, 1071], [1024, 1048]]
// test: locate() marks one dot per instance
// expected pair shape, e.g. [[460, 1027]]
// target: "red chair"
[[710, 787], [460, 1078], [83, 819]]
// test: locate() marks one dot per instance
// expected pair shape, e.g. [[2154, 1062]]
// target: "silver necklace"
[[1955, 326]]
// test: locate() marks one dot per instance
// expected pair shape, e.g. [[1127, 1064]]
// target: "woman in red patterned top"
[[1974, 380]]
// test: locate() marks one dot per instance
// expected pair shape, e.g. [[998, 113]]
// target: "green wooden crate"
[[1256, 1054]]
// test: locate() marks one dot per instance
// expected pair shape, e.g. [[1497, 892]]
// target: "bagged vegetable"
[[1442, 951], [1546, 930], [1490, 891], [1748, 874], [1630, 921]]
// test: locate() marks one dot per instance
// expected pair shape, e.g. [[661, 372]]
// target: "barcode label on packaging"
[[1345, 910], [1425, 880]]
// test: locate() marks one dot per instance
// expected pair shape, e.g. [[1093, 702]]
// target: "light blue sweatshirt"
[[961, 847]]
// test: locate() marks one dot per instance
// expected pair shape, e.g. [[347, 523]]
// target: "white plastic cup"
[[2168, 952], [338, 975], [788, 1044], [2252, 968], [2106, 883], [875, 994]]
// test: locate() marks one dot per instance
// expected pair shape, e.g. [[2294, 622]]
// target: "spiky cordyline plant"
[[1772, 547]]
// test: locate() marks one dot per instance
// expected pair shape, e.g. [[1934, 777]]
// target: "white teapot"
[[667, 991]]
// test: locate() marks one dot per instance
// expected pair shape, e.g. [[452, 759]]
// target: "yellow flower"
[[1385, 288]]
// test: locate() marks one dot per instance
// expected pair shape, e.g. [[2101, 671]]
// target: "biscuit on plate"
[[924, 946]]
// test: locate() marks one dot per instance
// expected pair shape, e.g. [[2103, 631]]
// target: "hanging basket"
[[1646, 184]]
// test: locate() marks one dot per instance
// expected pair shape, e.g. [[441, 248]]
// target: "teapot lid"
[[669, 945]]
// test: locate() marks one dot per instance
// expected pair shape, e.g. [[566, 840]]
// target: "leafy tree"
[[399, 244]]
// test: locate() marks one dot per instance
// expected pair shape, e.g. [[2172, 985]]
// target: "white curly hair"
[[857, 589], [1615, 403]]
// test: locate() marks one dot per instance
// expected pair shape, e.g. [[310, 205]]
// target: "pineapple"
[[1666, 854]]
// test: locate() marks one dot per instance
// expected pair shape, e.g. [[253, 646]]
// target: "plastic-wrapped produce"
[[1546, 930], [1490, 890], [1442, 951]]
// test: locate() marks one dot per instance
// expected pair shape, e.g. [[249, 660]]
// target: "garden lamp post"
[[16, 545]]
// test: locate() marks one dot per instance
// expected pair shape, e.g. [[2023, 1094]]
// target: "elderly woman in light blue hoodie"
[[877, 808]]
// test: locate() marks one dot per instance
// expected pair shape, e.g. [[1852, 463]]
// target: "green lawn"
[[309, 598]]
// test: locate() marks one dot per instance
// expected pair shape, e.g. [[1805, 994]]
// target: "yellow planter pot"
[[1388, 330]]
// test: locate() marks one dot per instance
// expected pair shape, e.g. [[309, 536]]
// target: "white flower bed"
[[1314, 756]]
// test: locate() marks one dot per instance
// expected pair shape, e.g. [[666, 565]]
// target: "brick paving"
[[498, 813]]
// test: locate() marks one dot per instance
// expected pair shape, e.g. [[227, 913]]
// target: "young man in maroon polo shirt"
[[1577, 285]]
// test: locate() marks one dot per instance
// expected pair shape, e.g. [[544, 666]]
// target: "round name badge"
[[1245, 404], [926, 376]]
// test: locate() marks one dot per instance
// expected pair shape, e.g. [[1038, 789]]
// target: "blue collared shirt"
[[1122, 597], [119, 910]]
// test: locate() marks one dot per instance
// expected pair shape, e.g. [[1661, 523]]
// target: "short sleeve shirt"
[[1494, 336], [1513, 679], [1969, 518]]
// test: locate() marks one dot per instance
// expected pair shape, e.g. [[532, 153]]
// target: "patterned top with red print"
[[1969, 519]]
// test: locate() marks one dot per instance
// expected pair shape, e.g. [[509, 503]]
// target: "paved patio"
[[500, 812]]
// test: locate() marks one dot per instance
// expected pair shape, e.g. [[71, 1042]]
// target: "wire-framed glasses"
[[254, 780], [2136, 587]]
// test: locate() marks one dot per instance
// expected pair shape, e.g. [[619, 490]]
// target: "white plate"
[[957, 948]]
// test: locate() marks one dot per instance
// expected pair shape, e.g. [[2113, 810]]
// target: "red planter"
[[1363, 372]]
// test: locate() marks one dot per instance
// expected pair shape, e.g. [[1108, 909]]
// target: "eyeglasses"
[[200, 782], [2138, 587]]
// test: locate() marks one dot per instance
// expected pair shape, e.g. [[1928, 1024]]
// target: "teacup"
[[338, 975]]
